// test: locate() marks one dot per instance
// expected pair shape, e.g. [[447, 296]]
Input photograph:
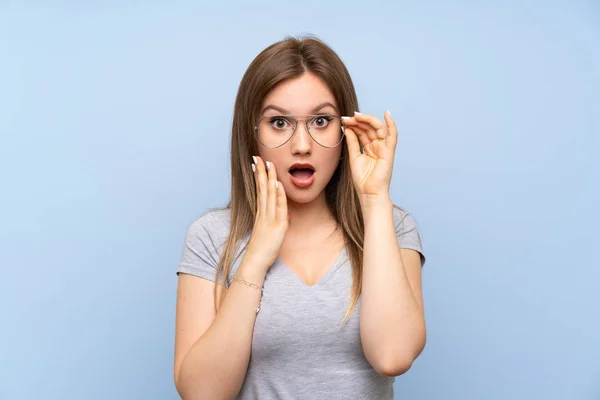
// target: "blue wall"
[[114, 121]]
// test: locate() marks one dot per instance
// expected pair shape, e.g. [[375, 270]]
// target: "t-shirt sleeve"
[[199, 256], [407, 232]]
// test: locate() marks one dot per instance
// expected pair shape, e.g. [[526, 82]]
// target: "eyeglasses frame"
[[295, 126]]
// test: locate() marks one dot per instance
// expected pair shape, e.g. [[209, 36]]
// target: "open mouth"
[[302, 177], [302, 173]]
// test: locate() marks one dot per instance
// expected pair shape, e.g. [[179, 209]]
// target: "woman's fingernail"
[[255, 160], [268, 165], [389, 113], [345, 118], [357, 113], [277, 184], [253, 168]]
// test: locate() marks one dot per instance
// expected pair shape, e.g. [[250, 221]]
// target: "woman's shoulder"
[[215, 222], [401, 215], [407, 231], [405, 222]]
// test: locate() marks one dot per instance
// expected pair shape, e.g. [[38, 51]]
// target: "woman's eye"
[[278, 123], [322, 121]]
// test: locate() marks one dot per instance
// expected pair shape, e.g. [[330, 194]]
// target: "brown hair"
[[283, 60]]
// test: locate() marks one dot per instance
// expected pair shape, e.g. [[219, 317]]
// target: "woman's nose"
[[301, 139]]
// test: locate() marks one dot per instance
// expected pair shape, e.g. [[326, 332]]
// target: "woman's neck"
[[308, 217]]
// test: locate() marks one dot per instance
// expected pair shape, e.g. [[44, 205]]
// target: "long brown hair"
[[283, 60]]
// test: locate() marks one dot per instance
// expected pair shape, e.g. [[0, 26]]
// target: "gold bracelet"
[[240, 280]]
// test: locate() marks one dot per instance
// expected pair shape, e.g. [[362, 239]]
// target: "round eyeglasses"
[[276, 130]]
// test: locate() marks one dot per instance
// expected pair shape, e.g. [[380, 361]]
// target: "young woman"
[[308, 284]]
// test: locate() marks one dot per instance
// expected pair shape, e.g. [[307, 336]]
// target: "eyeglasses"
[[276, 130]]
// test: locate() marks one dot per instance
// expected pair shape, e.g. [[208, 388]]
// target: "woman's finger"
[[362, 135], [392, 130], [256, 187], [351, 122], [261, 185], [272, 189], [368, 130], [369, 119], [377, 130]]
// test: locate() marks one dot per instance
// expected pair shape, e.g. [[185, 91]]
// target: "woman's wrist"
[[251, 272]]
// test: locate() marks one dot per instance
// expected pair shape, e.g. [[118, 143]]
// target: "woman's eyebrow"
[[284, 111]]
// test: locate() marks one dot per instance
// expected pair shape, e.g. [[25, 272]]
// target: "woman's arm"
[[392, 323], [212, 353]]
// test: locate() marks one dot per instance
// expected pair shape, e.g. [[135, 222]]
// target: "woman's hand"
[[272, 219], [371, 171]]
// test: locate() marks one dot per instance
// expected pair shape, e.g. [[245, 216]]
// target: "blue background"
[[114, 123]]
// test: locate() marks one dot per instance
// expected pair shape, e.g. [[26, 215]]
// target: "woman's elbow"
[[186, 392], [396, 367], [401, 362]]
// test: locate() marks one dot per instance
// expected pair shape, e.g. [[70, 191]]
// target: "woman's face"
[[305, 95]]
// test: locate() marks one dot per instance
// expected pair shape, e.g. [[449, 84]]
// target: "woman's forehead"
[[303, 95]]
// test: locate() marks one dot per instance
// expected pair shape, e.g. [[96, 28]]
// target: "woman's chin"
[[303, 196], [301, 199]]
